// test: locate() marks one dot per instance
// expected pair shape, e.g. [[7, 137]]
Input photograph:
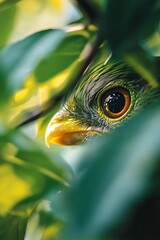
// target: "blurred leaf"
[[51, 232], [35, 15], [109, 184], [8, 2], [7, 16], [28, 171], [67, 52], [144, 64], [16, 64], [42, 224], [153, 44], [13, 227], [17, 191], [26, 185], [62, 83], [39, 159], [126, 22]]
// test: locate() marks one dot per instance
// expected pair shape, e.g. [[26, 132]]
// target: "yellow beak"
[[65, 131]]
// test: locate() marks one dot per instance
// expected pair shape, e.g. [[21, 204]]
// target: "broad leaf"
[[67, 52], [13, 227], [144, 64], [19, 60], [28, 171], [115, 173], [127, 22]]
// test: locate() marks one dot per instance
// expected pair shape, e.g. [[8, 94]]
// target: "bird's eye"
[[115, 102]]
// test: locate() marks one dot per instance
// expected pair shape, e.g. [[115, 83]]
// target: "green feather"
[[83, 105]]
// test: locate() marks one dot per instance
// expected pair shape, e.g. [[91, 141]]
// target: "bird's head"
[[106, 96]]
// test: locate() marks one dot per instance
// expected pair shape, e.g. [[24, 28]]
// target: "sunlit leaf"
[[18, 190], [39, 159], [51, 231], [28, 171], [67, 52], [16, 64], [25, 184], [153, 44], [34, 16], [7, 16]]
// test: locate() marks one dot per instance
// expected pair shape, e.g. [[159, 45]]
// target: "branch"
[[88, 55]]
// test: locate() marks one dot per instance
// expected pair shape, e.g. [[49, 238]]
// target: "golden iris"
[[115, 102]]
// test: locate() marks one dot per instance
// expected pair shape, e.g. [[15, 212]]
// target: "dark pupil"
[[115, 102]]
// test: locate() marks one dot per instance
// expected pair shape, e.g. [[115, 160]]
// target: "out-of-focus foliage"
[[120, 183], [24, 17], [114, 192]]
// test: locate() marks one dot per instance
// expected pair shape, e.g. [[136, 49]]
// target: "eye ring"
[[115, 102]]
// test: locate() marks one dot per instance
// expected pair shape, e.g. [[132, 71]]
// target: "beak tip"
[[66, 133]]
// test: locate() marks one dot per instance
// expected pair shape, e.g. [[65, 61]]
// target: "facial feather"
[[82, 104]]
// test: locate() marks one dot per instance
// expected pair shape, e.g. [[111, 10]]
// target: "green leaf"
[[115, 173], [13, 227], [17, 183], [7, 16], [67, 52], [144, 64], [19, 60], [7, 2], [29, 171], [40, 159], [153, 44], [127, 22]]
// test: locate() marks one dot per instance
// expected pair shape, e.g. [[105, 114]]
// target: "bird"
[[106, 96]]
